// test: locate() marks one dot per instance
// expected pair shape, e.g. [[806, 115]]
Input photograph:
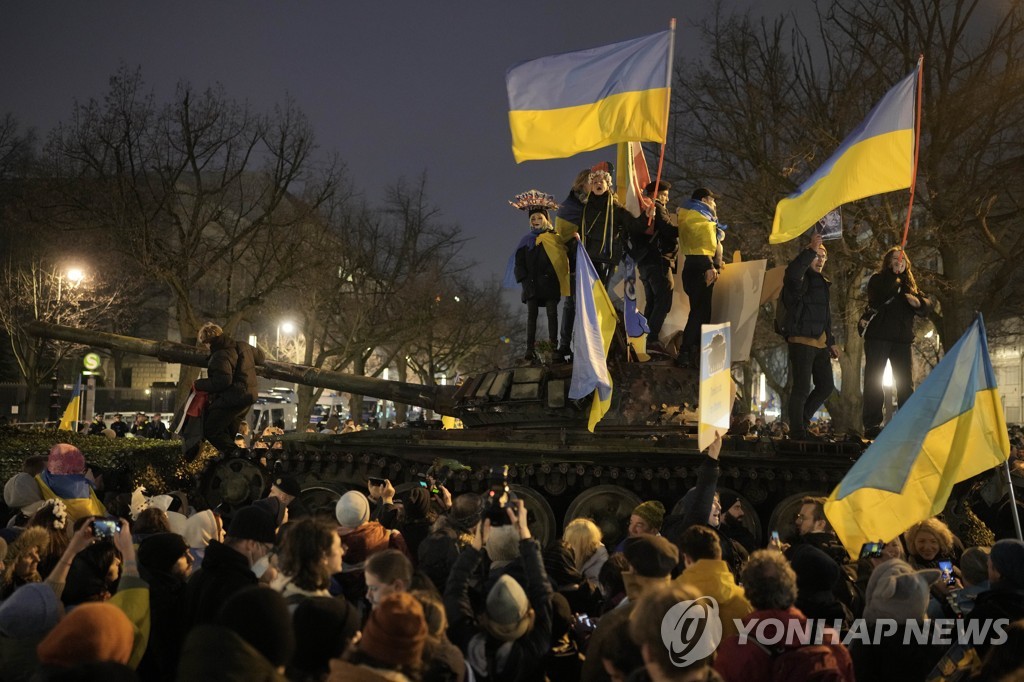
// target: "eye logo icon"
[[691, 630]]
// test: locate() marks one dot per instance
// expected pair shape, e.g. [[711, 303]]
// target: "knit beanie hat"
[[353, 509], [503, 543], [252, 523], [324, 626], [161, 551], [273, 506], [651, 511], [22, 492], [90, 633], [1008, 559], [815, 571], [31, 610], [288, 485], [651, 556], [200, 528], [727, 499], [974, 565], [396, 630], [260, 616], [65, 459], [507, 609], [895, 590]]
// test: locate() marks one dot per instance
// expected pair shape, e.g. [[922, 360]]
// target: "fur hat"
[[651, 511], [507, 609], [353, 509], [22, 492], [895, 590], [252, 523], [396, 630], [31, 610], [200, 528], [651, 556], [65, 459], [503, 543], [161, 551], [91, 633], [974, 565], [260, 616], [1007, 558]]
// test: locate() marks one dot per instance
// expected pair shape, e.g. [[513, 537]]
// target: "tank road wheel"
[[750, 517], [539, 516], [783, 517], [320, 497], [609, 506], [234, 482]]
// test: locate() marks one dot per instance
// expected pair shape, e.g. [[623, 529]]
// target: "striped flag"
[[69, 422], [595, 326], [632, 176]]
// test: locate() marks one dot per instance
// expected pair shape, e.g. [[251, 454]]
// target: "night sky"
[[396, 88]]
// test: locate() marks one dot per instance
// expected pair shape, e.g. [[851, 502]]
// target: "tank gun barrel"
[[437, 398]]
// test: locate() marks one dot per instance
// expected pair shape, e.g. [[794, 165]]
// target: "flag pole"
[[668, 101], [1013, 500], [917, 150]]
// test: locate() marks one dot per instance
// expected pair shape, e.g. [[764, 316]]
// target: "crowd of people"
[[142, 426], [431, 587]]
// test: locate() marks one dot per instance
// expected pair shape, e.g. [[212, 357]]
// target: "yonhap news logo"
[[691, 630]]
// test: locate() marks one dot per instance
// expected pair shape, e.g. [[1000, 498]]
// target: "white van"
[[273, 406]]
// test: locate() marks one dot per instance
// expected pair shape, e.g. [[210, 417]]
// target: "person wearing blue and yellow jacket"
[[700, 244], [541, 267]]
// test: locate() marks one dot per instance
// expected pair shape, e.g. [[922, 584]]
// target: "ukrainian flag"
[[952, 428], [69, 421], [595, 325], [877, 157], [580, 101]]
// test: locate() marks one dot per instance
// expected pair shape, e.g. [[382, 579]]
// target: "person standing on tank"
[[700, 245], [231, 383], [893, 294]]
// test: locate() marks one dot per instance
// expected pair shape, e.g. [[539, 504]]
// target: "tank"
[[644, 448]]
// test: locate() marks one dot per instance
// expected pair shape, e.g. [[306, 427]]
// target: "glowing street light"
[[75, 275], [887, 375]]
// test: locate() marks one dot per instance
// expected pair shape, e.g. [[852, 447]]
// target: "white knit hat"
[[353, 509]]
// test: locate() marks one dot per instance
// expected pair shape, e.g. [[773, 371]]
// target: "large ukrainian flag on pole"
[[69, 422], [580, 101], [877, 157], [595, 326], [953, 427]]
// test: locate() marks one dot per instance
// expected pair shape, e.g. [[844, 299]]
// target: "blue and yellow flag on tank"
[[580, 101], [953, 427], [877, 157], [592, 337]]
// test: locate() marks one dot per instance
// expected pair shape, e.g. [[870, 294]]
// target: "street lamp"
[[288, 328], [75, 275]]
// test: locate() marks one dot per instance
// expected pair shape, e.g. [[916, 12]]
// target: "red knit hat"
[[91, 633], [396, 630], [65, 459]]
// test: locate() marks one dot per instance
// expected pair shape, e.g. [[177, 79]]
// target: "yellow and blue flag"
[[953, 427], [69, 422], [580, 101], [877, 157], [592, 337]]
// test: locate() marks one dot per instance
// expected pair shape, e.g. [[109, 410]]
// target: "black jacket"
[[231, 373], [224, 572], [536, 274], [895, 319], [650, 244], [805, 294]]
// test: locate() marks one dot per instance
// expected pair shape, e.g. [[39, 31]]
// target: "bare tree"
[[772, 99]]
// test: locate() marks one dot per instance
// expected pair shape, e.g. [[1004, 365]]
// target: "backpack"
[[782, 317], [808, 663]]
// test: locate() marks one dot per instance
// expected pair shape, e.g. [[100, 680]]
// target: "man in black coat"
[[231, 382], [654, 249], [228, 567], [808, 332]]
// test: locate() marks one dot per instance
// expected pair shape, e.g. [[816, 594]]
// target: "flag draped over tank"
[[580, 101], [595, 325], [877, 157], [952, 428]]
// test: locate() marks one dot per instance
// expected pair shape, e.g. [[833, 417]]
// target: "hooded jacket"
[[231, 373], [806, 296], [713, 578]]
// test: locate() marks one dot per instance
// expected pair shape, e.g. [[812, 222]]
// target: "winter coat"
[[601, 224], [897, 657], [536, 271], [895, 319], [212, 652], [698, 230], [225, 571], [650, 244], [520, 660], [750, 662], [167, 631], [806, 297], [360, 544], [713, 578], [231, 373]]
